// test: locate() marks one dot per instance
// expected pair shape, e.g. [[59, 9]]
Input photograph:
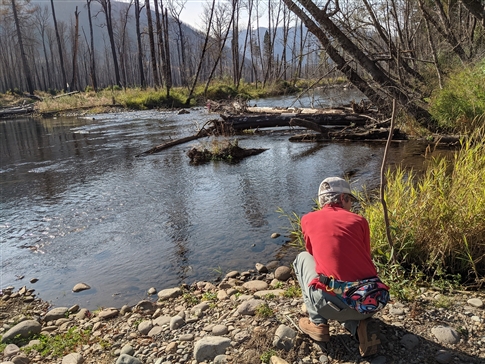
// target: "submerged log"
[[160, 147]]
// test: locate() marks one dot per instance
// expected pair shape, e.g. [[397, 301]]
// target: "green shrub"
[[437, 221], [461, 100]]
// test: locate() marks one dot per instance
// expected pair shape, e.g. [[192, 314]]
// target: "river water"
[[78, 206]]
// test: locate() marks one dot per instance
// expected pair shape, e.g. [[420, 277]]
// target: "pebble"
[[475, 302], [218, 331]]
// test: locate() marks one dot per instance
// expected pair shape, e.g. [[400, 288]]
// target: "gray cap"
[[335, 185]]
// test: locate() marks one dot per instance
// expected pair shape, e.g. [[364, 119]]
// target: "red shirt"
[[339, 241]]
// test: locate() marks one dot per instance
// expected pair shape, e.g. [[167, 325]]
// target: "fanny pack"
[[367, 296]]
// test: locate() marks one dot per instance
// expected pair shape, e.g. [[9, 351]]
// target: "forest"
[[392, 49]]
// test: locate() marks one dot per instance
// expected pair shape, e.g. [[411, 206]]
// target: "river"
[[78, 206]]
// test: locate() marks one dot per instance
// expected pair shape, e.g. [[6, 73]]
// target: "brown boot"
[[316, 332], [368, 335]]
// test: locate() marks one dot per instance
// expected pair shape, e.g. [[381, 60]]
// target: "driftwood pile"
[[325, 124], [17, 110]]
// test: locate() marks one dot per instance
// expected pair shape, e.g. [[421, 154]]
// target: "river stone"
[[145, 326], [277, 360], [162, 320], [220, 359], [232, 274], [443, 357], [21, 359], [145, 306], [446, 335], [155, 331], [108, 313], [171, 348], [127, 349], [475, 302], [209, 347], [10, 350], [83, 312], [219, 330], [203, 306], [221, 295], [379, 360], [409, 341], [275, 292], [261, 268], [56, 313], [127, 359], [284, 338], [255, 285], [74, 309], [73, 358], [80, 287], [169, 293], [24, 329], [176, 322], [275, 235], [282, 273], [249, 307]]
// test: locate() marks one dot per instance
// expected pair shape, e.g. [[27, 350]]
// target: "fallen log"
[[202, 133], [350, 134], [66, 94], [243, 122], [17, 110]]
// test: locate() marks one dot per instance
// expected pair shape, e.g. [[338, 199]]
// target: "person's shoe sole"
[[368, 334], [314, 336]]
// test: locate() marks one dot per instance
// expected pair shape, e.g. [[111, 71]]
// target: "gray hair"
[[333, 198], [329, 198]]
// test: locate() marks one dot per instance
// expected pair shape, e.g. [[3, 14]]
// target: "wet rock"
[[80, 287], [275, 235], [152, 290], [34, 280]]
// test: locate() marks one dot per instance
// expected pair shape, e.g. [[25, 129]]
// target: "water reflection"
[[77, 206]]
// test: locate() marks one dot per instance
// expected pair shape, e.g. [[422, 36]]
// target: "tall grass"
[[461, 100], [437, 220]]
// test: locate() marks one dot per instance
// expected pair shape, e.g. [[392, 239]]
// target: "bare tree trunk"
[[223, 45], [168, 75], [59, 46], [204, 49], [161, 50], [92, 62], [138, 41], [74, 84], [152, 45], [106, 5]]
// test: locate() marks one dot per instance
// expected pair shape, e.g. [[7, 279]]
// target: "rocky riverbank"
[[249, 317]]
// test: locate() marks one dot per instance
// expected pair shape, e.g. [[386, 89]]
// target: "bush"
[[461, 100], [437, 221]]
